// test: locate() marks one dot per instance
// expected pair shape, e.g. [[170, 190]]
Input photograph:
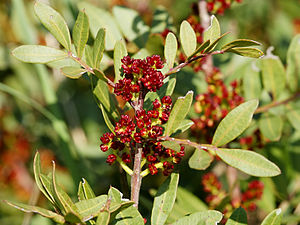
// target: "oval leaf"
[[200, 160], [206, 217], [164, 200], [119, 52], [236, 121], [271, 126], [103, 218], [34, 209], [128, 216], [213, 32], [273, 75], [238, 217], [98, 48], [178, 113], [81, 33], [249, 162], [38, 54], [72, 72], [54, 22], [293, 63], [293, 116], [101, 91], [274, 218], [99, 18], [247, 52], [187, 38], [170, 51], [240, 43]]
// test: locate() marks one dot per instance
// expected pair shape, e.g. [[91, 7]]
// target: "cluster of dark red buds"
[[254, 192], [139, 75], [144, 130], [214, 105], [219, 6], [213, 187], [216, 195]]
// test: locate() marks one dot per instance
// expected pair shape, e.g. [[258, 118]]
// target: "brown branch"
[[87, 67], [207, 147], [181, 65], [136, 178], [277, 103]]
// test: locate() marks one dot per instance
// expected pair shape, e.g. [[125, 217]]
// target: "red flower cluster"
[[216, 195], [139, 75], [215, 104], [144, 129], [219, 6], [254, 192], [213, 187]]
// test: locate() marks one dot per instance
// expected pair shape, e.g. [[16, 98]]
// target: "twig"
[[181, 65], [87, 67], [277, 103], [136, 178]]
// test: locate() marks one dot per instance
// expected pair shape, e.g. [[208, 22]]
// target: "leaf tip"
[[278, 211]]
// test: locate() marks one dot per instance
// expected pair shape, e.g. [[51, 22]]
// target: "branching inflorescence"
[[140, 77]]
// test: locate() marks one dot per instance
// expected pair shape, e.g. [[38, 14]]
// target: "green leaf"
[[184, 125], [81, 33], [65, 203], [273, 75], [90, 208], [249, 162], [178, 113], [187, 38], [107, 120], [37, 174], [203, 46], [72, 218], [293, 116], [100, 18], [72, 72], [214, 43], [293, 63], [114, 195], [185, 204], [251, 83], [100, 75], [200, 160], [274, 218], [102, 93], [213, 32], [239, 43], [132, 25], [201, 218], [48, 187], [43, 212], [98, 48], [170, 51], [238, 217], [236, 121], [119, 52], [164, 200], [54, 22], [246, 51], [271, 126], [129, 216], [85, 191], [172, 145], [38, 54], [103, 218]]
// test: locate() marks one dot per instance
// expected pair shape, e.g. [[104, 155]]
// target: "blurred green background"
[[42, 110]]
